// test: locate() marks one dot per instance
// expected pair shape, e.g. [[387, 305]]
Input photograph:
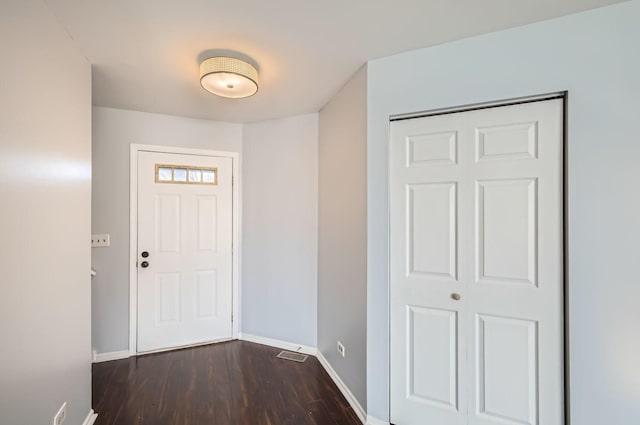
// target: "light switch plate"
[[100, 241]]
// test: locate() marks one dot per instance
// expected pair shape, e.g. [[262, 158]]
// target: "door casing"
[[133, 232]]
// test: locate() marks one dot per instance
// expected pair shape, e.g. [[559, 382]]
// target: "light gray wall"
[[342, 233], [114, 130], [45, 170], [593, 55], [280, 225]]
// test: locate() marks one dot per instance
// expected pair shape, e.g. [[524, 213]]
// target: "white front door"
[[476, 267], [184, 250]]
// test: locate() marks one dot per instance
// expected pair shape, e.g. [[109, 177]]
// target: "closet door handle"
[[456, 297]]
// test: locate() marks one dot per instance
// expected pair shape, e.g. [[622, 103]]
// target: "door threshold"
[[183, 347]]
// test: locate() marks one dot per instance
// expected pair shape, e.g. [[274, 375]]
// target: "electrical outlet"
[[59, 418], [100, 241], [341, 348]]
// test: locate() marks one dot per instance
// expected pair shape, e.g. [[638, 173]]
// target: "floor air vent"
[[296, 357]]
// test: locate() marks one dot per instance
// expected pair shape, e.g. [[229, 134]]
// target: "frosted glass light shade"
[[228, 77]]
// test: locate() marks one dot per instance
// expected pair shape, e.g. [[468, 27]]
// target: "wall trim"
[[113, 355], [91, 418], [133, 232], [285, 345], [375, 421], [351, 399]]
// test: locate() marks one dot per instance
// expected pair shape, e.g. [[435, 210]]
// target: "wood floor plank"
[[232, 383]]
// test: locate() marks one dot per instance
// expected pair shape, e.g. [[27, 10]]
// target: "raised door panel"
[[432, 366], [507, 370], [431, 231], [430, 149], [207, 223], [168, 298], [206, 294], [168, 223], [507, 142], [506, 223]]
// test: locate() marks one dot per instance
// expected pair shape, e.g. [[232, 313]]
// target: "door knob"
[[456, 297], [144, 264], [144, 254]]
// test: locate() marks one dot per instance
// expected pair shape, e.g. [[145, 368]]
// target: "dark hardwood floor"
[[231, 383]]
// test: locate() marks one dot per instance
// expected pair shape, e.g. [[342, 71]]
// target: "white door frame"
[[564, 95], [133, 232]]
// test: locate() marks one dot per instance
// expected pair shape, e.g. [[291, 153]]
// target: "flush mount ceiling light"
[[228, 77]]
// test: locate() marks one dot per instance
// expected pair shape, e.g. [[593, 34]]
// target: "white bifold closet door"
[[477, 333]]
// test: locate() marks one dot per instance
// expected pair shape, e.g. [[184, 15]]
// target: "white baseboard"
[[375, 421], [91, 418], [353, 401], [114, 355], [285, 345], [312, 351]]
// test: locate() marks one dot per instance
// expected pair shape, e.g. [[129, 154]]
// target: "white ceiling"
[[145, 53]]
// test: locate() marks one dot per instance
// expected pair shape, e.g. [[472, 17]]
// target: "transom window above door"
[[186, 174]]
